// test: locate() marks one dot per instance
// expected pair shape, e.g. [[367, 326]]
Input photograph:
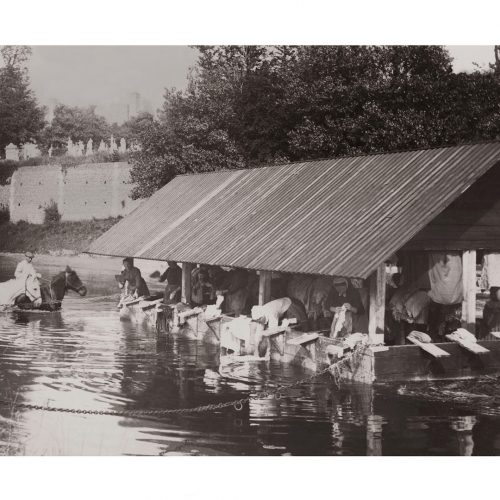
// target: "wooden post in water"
[[469, 287], [376, 320], [186, 282], [264, 287]]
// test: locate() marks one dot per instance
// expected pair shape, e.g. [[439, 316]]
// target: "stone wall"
[[31, 190], [96, 190]]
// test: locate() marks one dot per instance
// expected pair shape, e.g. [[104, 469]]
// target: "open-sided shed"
[[341, 216]]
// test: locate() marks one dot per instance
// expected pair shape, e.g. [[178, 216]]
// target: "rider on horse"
[[25, 267]]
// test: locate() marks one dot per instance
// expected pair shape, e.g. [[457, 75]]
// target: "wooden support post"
[[376, 320], [186, 282], [469, 288], [264, 287]]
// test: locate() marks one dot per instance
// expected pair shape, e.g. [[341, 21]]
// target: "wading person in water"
[[343, 296], [132, 279], [25, 267], [173, 277], [491, 311]]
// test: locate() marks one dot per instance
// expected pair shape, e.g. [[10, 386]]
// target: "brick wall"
[[97, 190]]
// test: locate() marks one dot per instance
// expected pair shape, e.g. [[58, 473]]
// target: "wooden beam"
[[431, 349], [376, 320], [186, 282], [469, 289], [264, 287], [304, 339], [473, 347]]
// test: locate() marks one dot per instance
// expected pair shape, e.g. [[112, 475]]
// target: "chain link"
[[238, 404]]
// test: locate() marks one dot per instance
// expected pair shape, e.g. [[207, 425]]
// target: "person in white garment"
[[25, 267], [270, 314]]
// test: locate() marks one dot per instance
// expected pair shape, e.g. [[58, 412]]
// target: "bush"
[[52, 215], [4, 214], [7, 168]]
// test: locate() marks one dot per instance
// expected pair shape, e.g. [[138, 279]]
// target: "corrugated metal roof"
[[341, 216]]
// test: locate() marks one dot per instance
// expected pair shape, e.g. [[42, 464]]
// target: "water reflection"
[[85, 357]]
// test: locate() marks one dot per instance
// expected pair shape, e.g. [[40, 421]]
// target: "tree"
[[16, 55], [179, 142], [21, 118], [249, 105], [496, 65], [132, 128], [79, 124]]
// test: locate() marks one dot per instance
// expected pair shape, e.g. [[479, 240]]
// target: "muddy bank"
[[61, 237]]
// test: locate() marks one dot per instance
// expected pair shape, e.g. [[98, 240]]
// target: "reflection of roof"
[[341, 216]]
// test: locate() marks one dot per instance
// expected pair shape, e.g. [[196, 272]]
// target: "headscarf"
[[493, 293]]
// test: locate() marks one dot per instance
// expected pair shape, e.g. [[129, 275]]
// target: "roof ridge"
[[339, 157]]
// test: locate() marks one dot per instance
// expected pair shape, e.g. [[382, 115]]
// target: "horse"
[[53, 292], [28, 287]]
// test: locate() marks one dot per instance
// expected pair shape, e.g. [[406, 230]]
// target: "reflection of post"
[[374, 435], [463, 427], [337, 435]]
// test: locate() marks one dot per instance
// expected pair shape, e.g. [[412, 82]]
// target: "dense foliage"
[[21, 118], [80, 124], [245, 105]]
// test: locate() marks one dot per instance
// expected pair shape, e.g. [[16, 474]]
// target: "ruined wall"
[[97, 190]]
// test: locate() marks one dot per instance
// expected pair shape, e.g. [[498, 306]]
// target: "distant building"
[[125, 109], [51, 106]]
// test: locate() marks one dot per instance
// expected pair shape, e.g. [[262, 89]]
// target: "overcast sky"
[[103, 74]]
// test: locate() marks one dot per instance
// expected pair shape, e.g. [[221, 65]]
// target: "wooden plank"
[[264, 287], [473, 347], [303, 339], [186, 282], [132, 302], [189, 313], [273, 331], [469, 287], [377, 302], [432, 349], [215, 318], [151, 304]]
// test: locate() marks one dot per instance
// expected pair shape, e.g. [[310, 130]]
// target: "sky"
[[103, 75]]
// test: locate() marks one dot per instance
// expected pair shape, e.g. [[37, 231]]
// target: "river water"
[[84, 357]]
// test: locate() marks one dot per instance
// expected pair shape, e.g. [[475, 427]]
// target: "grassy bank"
[[64, 237]]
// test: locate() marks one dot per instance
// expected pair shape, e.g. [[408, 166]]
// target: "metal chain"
[[237, 404]]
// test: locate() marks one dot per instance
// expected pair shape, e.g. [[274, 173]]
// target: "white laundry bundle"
[[212, 311], [355, 338], [234, 332], [420, 336]]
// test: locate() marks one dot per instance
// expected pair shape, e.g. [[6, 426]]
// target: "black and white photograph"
[[249, 250]]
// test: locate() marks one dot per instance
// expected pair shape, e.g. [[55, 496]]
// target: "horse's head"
[[32, 290], [73, 282]]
